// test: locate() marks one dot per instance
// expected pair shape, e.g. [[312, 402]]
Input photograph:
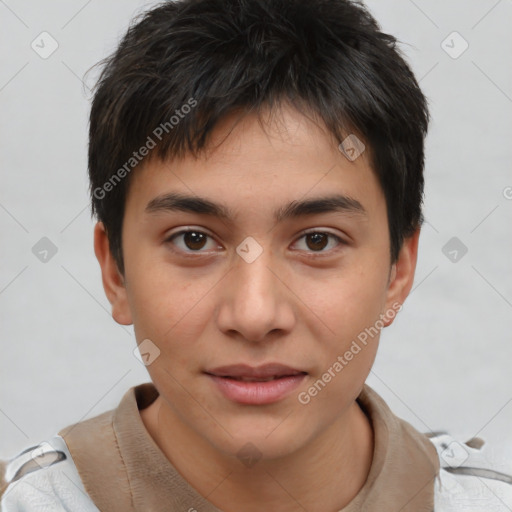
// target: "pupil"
[[194, 240], [319, 240]]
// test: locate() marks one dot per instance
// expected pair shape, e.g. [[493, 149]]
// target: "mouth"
[[248, 373], [256, 385]]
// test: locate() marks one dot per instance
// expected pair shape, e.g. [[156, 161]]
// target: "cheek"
[[350, 345], [354, 300], [169, 309], [153, 295]]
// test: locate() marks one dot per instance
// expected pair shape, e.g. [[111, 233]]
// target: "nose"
[[255, 304]]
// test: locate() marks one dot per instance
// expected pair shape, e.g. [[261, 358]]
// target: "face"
[[267, 257]]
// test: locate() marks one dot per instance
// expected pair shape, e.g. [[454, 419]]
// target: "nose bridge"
[[255, 284], [254, 303]]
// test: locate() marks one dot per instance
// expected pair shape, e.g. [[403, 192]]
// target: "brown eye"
[[316, 241], [194, 240], [320, 242]]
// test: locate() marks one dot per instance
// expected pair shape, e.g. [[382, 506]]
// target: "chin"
[[258, 442]]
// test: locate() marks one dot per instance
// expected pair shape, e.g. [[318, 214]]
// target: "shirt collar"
[[116, 446]]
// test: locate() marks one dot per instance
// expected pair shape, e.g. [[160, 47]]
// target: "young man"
[[256, 169]]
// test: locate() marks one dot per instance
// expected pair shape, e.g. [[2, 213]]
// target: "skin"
[[296, 304]]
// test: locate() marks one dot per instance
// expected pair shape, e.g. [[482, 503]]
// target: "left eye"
[[317, 241], [192, 240]]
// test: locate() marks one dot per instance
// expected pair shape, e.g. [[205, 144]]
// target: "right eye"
[[192, 240]]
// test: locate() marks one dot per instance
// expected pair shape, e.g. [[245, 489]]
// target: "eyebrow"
[[337, 203]]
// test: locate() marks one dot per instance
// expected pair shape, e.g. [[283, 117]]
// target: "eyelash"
[[339, 241]]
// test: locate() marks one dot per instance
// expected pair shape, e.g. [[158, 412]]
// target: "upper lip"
[[258, 372]]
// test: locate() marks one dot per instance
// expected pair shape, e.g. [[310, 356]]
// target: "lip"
[[258, 390]]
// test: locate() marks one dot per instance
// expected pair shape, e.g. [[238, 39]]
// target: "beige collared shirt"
[[124, 470]]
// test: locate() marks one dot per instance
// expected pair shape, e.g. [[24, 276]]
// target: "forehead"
[[256, 162]]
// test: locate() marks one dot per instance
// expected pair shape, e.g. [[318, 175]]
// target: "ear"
[[401, 277], [113, 281]]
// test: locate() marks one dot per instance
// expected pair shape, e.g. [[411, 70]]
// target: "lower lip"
[[257, 393]]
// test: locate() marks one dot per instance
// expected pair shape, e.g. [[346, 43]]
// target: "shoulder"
[[469, 480], [44, 477]]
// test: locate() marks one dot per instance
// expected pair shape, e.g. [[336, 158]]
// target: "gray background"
[[444, 364]]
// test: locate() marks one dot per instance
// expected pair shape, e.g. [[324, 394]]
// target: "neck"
[[324, 475]]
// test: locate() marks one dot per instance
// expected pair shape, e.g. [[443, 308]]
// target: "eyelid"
[[325, 231], [319, 230], [187, 229]]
